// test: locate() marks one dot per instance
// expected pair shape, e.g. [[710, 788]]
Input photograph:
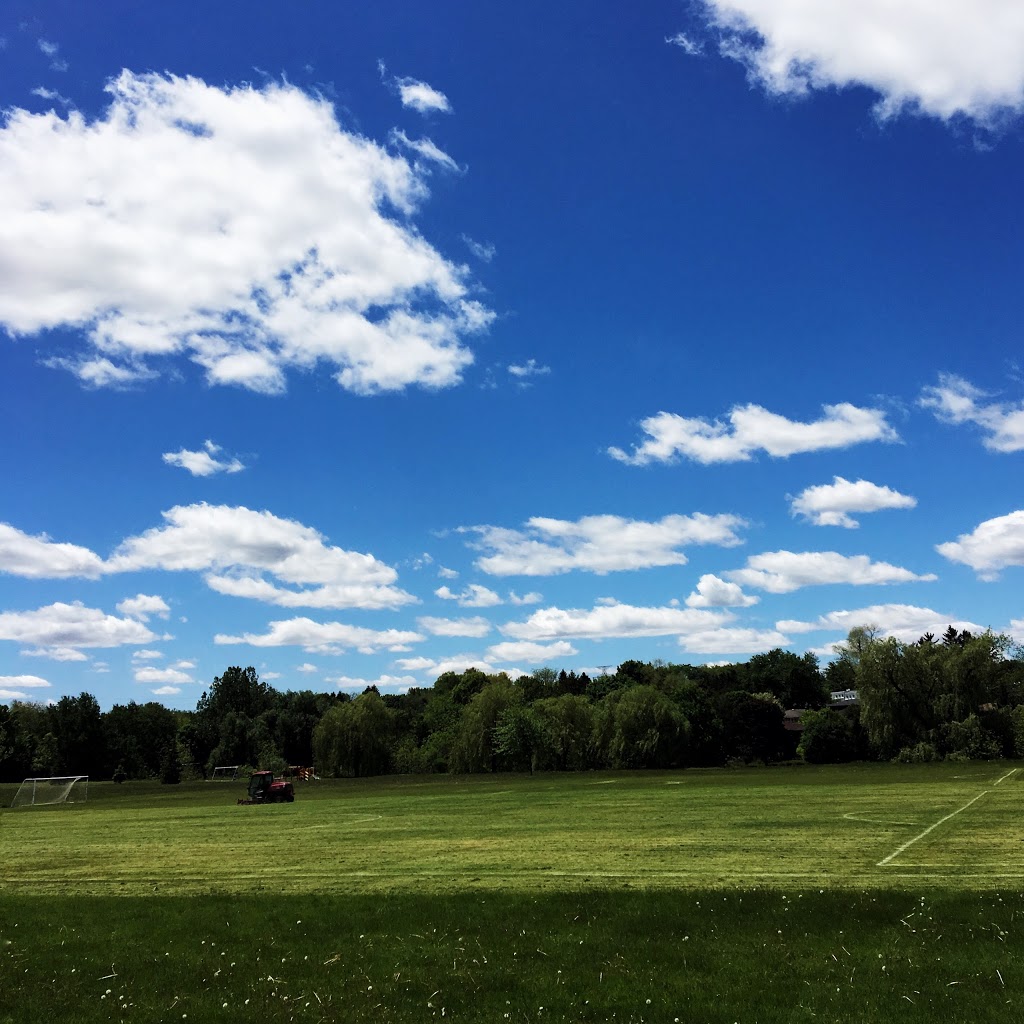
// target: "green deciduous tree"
[[355, 738], [568, 732], [473, 749], [752, 725], [793, 679], [520, 738], [829, 737], [642, 728]]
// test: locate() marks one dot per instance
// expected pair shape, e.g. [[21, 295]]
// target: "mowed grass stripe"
[[831, 826]]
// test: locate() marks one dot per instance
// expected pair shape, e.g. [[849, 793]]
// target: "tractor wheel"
[[290, 798]]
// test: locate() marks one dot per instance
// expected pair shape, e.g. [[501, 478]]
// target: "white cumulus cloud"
[[384, 683], [55, 654], [955, 400], [939, 57], [41, 558], [831, 504], [992, 546], [236, 545], [24, 682], [166, 691], [733, 641], [613, 620], [598, 544], [431, 669], [142, 606], [530, 652], [780, 572], [242, 228], [162, 675], [204, 461], [473, 596], [61, 625], [750, 429], [324, 637], [906, 622], [713, 592], [476, 626]]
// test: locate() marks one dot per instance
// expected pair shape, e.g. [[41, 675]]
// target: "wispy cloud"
[[955, 400], [690, 47], [425, 149], [523, 372], [483, 251]]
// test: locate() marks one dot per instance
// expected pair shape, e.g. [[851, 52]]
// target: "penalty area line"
[[1006, 776], [909, 843]]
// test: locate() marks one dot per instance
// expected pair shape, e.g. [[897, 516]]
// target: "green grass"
[[752, 895], [797, 826]]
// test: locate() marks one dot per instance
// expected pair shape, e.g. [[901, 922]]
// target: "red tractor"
[[263, 789]]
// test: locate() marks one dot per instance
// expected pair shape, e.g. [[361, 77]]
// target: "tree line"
[[959, 696]]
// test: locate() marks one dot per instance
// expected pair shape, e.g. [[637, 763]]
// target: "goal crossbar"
[[54, 789]]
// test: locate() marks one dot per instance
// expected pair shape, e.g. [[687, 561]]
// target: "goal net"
[[61, 789], [224, 773]]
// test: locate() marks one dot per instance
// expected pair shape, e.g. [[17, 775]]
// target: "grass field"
[[853, 893]]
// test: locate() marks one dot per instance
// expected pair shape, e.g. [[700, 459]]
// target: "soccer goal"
[[60, 789], [224, 773]]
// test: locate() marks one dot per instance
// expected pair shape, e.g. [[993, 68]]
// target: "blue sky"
[[360, 344]]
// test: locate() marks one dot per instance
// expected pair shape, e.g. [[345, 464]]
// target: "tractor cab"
[[263, 789], [259, 786]]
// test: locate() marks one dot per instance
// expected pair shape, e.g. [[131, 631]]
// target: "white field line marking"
[[911, 842], [852, 816], [1006, 776]]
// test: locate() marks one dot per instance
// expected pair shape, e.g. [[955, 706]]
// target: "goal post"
[[224, 773], [57, 789]]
